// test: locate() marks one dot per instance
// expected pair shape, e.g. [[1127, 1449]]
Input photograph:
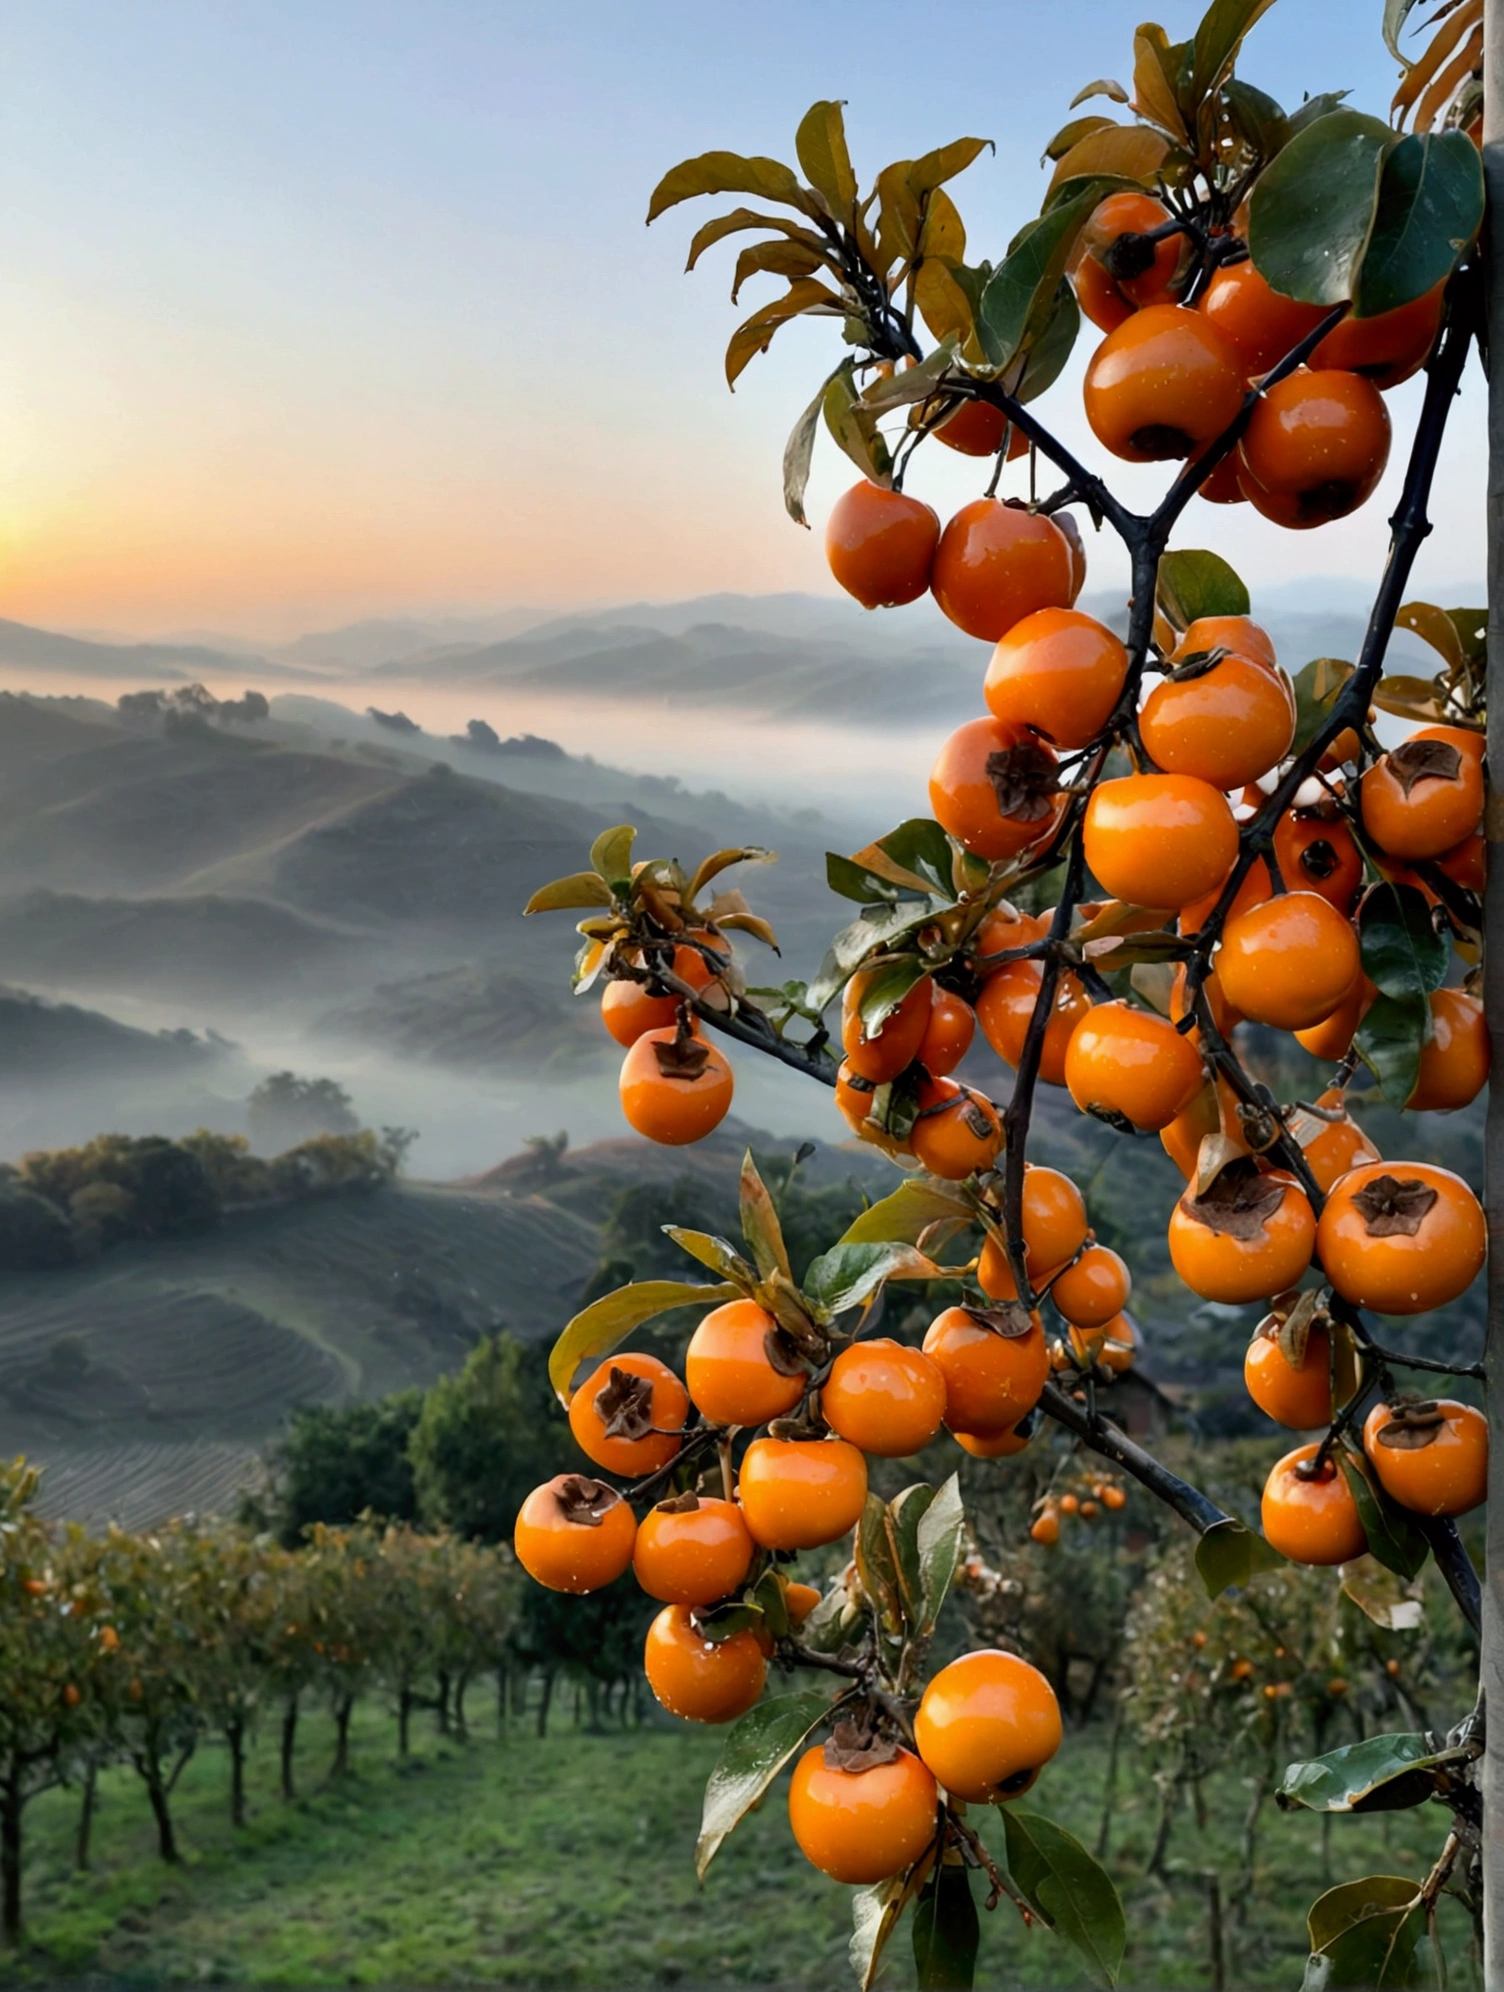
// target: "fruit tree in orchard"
[[1149, 837]]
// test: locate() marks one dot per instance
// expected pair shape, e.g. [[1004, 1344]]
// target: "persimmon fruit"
[[882, 1053], [1058, 672], [860, 1826], [1315, 449], [1289, 962], [628, 1415], [692, 1550], [1401, 1237], [1421, 799], [1246, 1237], [992, 1380], [573, 1534], [1454, 1062], [1159, 840], [1006, 1003], [997, 563], [994, 788], [1228, 726], [1127, 1062], [957, 1132], [730, 1370], [987, 1725], [1300, 1398], [1094, 1290], [1162, 385], [676, 1087], [881, 545], [887, 1399], [1430, 1454], [1311, 1519], [801, 1493], [698, 1679]]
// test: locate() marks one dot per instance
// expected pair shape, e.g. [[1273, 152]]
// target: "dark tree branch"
[[1103, 1437]]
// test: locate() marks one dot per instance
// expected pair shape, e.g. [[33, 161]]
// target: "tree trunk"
[[85, 1832], [11, 1803], [1216, 1942], [502, 1689], [1492, 1668], [1110, 1783], [543, 1702], [1169, 1795], [342, 1711], [461, 1726], [441, 1702], [235, 1737], [404, 1719], [156, 1791], [289, 1742]]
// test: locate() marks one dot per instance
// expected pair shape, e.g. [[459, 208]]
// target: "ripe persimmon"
[[692, 1550], [992, 1379], [883, 1053], [1229, 725], [1254, 887], [1059, 672], [862, 1825], [1467, 862], [948, 1033], [1315, 852], [628, 1415], [1111, 1345], [1094, 1290], [1101, 300], [976, 429], [698, 1679], [1054, 1230], [1421, 799], [1239, 635], [1159, 840], [1454, 1062], [1224, 1016], [1332, 1147], [1332, 1038], [737, 1368], [994, 788], [1290, 961], [1431, 1454], [1164, 384], [1182, 1139], [1005, 927], [855, 1101], [1298, 1397], [1245, 1237], [1388, 348], [958, 1130], [1006, 1003], [1311, 1518], [1315, 448], [1401, 1237], [883, 1397], [881, 545], [572, 1534], [1125, 1061], [628, 1008], [1045, 1528], [799, 1600], [1120, 237], [997, 563], [987, 1725], [1220, 486], [675, 1086], [993, 1445], [801, 1493], [1257, 322]]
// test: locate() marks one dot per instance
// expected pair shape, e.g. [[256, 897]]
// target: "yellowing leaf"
[[820, 144], [719, 861], [778, 259], [1132, 152], [943, 305], [1425, 67], [730, 173], [944, 232], [755, 334], [741, 219], [1154, 65], [560, 894], [606, 1323]]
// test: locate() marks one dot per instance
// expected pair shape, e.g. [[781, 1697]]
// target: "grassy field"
[[566, 1863]]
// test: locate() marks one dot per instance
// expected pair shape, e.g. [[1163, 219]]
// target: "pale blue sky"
[[328, 309]]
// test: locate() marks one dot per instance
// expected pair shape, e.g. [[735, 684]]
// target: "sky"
[[317, 310]]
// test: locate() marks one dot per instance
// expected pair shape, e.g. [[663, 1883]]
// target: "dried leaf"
[[1009, 1318]]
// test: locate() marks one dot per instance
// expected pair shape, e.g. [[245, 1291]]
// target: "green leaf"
[[947, 1932], [760, 1226], [1364, 1933], [1194, 583], [879, 927], [1402, 951], [845, 1275], [1070, 1890], [920, 846], [908, 1212], [1311, 212], [1429, 210], [820, 145], [875, 1554], [605, 1323], [854, 426], [611, 854], [754, 1752], [1380, 1774], [854, 881], [1381, 1596], [1216, 42], [887, 988], [579, 889], [1021, 291], [1229, 1553], [731, 173], [874, 1917], [1260, 119], [1313, 108], [1050, 347], [903, 1519], [1394, 1537], [1317, 687], [911, 384], [1390, 1040], [938, 1541]]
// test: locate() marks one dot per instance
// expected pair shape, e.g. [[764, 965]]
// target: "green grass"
[[568, 1864]]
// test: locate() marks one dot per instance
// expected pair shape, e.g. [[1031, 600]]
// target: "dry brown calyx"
[[624, 1405], [1412, 1424], [976, 1117], [1424, 761], [1024, 780], [1238, 1202], [585, 1502], [854, 1745], [1009, 1318], [685, 1055], [782, 1355], [1290, 1322], [686, 1503], [1392, 1207]]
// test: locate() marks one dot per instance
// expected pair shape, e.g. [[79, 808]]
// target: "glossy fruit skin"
[[1315, 449], [1447, 1477], [948, 1033], [1332, 1038], [1220, 486], [965, 800], [895, 1044], [1400, 1274], [1054, 1229], [1094, 1290], [627, 1009], [695, 1679], [1182, 1139], [1228, 727], [1111, 1345], [799, 1600], [1290, 961], [1467, 862], [1135, 214], [883, 1397], [728, 1374], [1255, 888], [1341, 1145], [1059, 672], [881, 545], [1389, 348], [1159, 840], [1311, 1521], [692, 1558], [976, 430], [1240, 635], [571, 1556], [1315, 854], [1299, 1398], [1099, 297], [669, 1407], [1454, 1065], [862, 1826], [1236, 1270], [1006, 1004], [958, 1130], [1131, 1062], [1258, 324], [667, 1109], [855, 1099], [991, 1380], [992, 1445], [1163, 385], [996, 564], [801, 1493], [987, 1725], [1436, 815]]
